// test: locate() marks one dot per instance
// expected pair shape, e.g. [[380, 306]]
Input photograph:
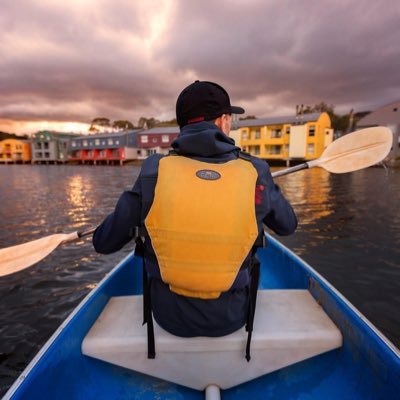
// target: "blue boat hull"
[[366, 367]]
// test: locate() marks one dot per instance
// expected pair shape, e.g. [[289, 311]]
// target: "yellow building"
[[15, 150], [301, 137]]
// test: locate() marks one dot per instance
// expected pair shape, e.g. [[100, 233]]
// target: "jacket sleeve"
[[278, 215], [119, 227]]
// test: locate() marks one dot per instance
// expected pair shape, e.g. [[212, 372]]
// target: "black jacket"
[[177, 314]]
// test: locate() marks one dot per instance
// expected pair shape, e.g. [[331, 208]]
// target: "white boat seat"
[[289, 327]]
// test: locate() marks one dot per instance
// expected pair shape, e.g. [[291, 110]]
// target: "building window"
[[90, 154], [255, 150], [310, 148], [151, 151], [275, 149], [257, 134], [287, 130], [144, 139], [39, 155], [165, 138], [311, 130], [102, 153], [244, 134], [110, 142], [46, 145], [276, 133], [97, 142], [115, 153], [85, 143], [38, 146], [117, 141], [73, 143], [47, 154]]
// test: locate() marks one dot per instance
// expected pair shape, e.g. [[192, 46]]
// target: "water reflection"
[[355, 242], [80, 197], [309, 190], [348, 230]]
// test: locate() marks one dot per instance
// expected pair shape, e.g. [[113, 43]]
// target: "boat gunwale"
[[328, 287], [41, 353], [336, 293]]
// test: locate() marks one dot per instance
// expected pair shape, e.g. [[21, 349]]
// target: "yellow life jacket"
[[202, 223]]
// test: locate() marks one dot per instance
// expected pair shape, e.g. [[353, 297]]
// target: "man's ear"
[[218, 122]]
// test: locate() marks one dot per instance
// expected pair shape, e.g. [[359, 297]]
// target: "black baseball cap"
[[203, 101]]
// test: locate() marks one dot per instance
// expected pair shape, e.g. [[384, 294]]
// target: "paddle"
[[357, 150], [351, 152], [17, 258]]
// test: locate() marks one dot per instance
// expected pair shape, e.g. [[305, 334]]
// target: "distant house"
[[388, 115], [297, 137], [15, 151], [51, 147], [105, 148], [156, 140]]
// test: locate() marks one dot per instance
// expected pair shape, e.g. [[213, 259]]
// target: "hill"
[[5, 135]]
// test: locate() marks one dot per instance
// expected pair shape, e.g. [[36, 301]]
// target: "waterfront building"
[[156, 140], [235, 133], [105, 148], [298, 137], [51, 147], [15, 151], [388, 115]]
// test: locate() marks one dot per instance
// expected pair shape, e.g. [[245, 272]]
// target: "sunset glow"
[[64, 64], [29, 127]]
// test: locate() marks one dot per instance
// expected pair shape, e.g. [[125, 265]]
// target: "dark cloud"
[[79, 59], [304, 51]]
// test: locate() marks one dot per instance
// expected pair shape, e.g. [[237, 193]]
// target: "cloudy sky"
[[63, 63]]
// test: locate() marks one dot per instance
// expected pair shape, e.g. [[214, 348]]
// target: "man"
[[202, 209]]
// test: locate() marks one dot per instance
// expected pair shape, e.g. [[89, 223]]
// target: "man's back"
[[203, 112]]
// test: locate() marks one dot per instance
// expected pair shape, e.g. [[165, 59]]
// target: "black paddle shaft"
[[290, 170], [87, 232]]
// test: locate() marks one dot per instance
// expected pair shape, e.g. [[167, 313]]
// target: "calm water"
[[349, 232]]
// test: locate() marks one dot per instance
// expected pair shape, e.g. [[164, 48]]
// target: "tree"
[[317, 108], [148, 122], [247, 117], [123, 124], [101, 121], [340, 123], [171, 122], [93, 129], [5, 135]]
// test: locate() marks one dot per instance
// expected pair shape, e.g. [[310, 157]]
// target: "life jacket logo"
[[208, 174]]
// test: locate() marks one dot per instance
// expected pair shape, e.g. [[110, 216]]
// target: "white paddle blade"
[[17, 258], [357, 150]]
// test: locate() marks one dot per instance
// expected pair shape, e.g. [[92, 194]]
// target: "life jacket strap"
[[147, 309], [245, 156], [255, 278], [148, 317]]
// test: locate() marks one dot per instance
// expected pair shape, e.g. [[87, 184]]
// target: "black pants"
[[189, 317]]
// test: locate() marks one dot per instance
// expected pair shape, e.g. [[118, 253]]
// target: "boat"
[[309, 342]]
